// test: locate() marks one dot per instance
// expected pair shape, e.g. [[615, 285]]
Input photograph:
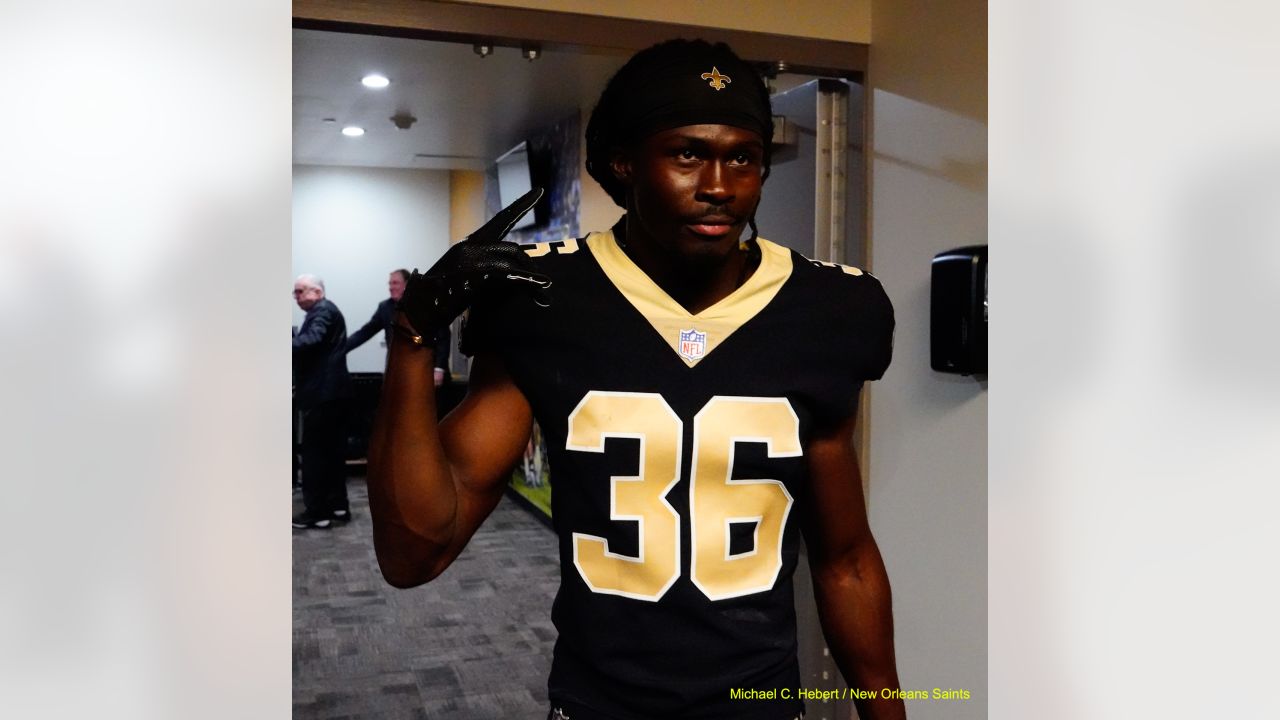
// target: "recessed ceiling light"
[[352, 131], [375, 81]]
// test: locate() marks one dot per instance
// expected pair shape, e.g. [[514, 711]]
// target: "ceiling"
[[469, 109]]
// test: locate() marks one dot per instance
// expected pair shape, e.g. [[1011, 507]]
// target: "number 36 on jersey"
[[716, 499]]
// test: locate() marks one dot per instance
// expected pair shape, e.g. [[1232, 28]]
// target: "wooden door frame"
[[572, 32]]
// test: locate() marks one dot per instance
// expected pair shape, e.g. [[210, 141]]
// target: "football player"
[[696, 385]]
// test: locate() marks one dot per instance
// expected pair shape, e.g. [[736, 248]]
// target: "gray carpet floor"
[[473, 644]]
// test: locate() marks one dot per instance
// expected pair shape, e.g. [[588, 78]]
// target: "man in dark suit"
[[382, 318], [322, 394]]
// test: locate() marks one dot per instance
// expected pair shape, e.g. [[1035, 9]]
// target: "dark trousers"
[[324, 470]]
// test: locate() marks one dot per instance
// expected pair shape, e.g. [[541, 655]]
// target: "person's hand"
[[481, 265]]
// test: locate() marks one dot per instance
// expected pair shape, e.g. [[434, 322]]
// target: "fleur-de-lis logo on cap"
[[718, 81]]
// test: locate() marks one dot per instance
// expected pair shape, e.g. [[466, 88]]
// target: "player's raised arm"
[[849, 580], [430, 486]]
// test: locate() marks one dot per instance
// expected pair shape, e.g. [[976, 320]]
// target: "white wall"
[[353, 226], [928, 431]]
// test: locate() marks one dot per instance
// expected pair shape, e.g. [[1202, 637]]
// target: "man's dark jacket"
[[320, 357], [381, 320]]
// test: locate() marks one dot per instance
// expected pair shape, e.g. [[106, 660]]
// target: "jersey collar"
[[692, 336]]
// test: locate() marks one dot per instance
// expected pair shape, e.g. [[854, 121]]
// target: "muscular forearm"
[[413, 498], [857, 618], [430, 487]]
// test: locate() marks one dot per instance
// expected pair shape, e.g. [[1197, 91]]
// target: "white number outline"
[[728, 480], [613, 485], [694, 483]]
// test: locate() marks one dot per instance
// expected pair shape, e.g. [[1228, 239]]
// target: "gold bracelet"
[[409, 334]]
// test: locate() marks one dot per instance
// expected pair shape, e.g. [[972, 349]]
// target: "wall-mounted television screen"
[[518, 172]]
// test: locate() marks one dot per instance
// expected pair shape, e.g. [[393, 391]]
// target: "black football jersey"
[[677, 454]]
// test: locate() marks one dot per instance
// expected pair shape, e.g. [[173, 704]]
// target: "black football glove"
[[479, 266]]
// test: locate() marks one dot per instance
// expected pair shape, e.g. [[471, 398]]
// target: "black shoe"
[[340, 517], [306, 520]]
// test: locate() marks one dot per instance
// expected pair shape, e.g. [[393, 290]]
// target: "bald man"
[[323, 392]]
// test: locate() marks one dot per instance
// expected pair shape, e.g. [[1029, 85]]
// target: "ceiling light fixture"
[[531, 52], [375, 81], [403, 119], [352, 131], [483, 49]]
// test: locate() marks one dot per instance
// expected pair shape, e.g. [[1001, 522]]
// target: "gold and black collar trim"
[[692, 336]]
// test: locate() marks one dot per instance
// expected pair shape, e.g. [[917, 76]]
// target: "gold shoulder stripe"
[[846, 269]]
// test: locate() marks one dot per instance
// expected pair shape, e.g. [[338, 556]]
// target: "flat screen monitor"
[[514, 180]]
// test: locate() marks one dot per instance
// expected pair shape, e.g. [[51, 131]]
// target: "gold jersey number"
[[716, 500]]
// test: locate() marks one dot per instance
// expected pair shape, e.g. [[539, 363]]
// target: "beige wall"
[[928, 461], [466, 203], [848, 21]]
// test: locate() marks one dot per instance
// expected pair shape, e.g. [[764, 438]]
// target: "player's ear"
[[620, 165]]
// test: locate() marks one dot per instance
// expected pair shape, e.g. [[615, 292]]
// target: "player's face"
[[694, 188], [306, 295], [395, 285]]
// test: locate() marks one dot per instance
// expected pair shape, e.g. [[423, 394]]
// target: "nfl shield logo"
[[693, 345]]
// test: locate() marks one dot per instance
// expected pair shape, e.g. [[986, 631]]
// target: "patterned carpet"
[[473, 644]]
